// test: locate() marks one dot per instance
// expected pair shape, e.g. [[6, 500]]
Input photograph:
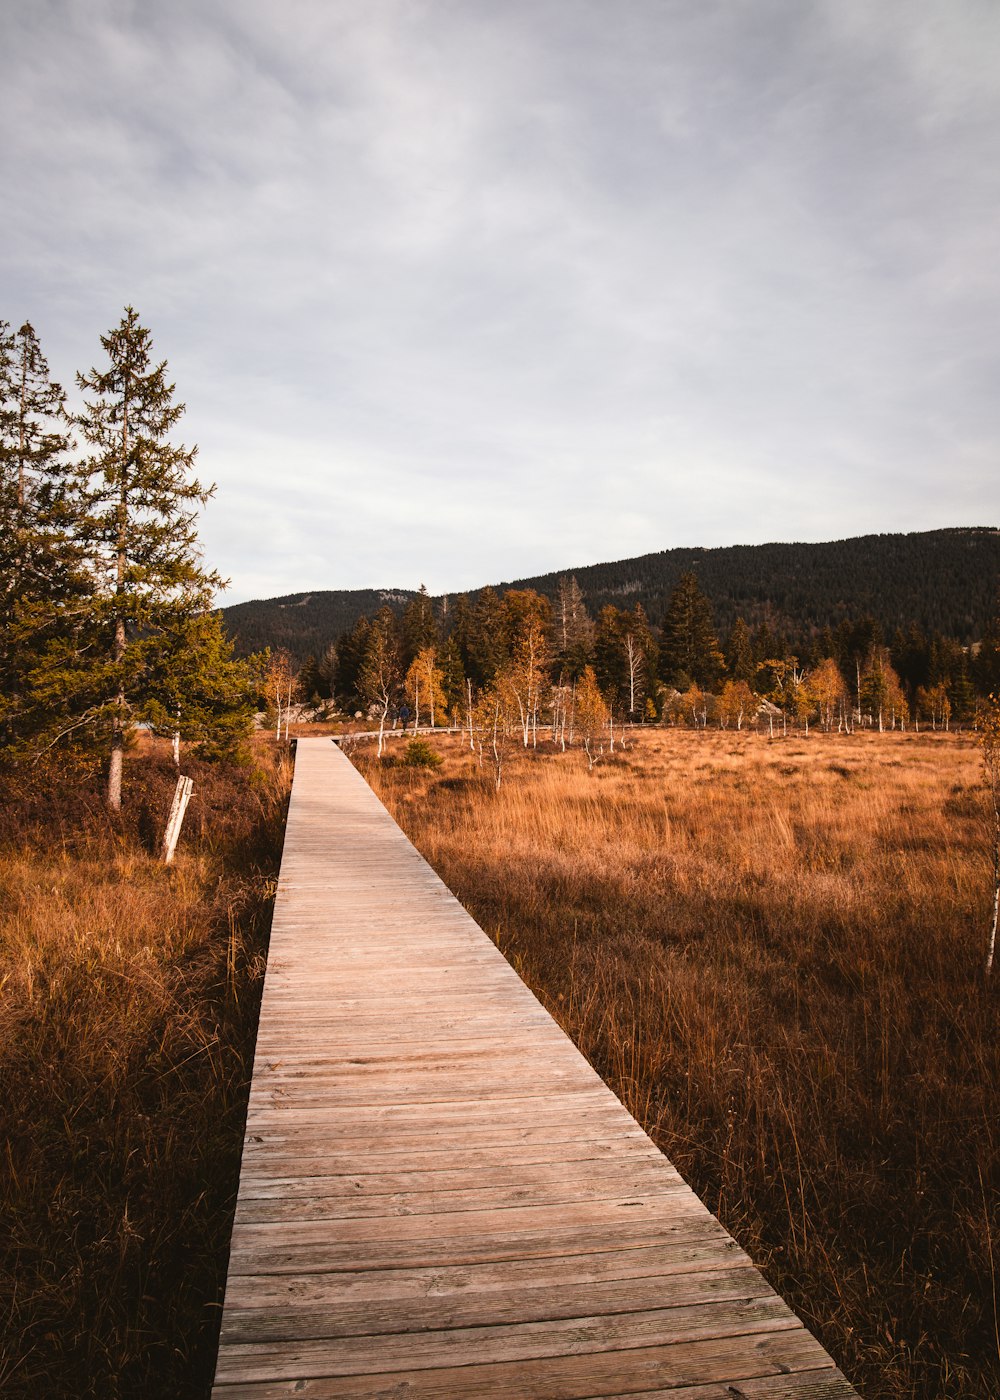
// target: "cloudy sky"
[[457, 291]]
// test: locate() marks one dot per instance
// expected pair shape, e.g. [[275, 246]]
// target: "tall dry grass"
[[127, 1017], [772, 952]]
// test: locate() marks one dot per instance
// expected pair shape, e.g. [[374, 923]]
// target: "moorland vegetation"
[[127, 1023]]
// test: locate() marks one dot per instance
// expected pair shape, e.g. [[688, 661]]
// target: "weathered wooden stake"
[[182, 796]]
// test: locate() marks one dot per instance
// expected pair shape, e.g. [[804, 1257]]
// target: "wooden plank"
[[658, 1370], [486, 1176], [422, 1245], [316, 1154], [439, 1197], [305, 1205], [406, 1351], [559, 1300], [508, 1276]]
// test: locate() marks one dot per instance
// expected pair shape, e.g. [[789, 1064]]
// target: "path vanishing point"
[[438, 1195]]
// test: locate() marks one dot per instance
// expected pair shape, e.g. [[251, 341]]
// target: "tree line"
[[106, 602], [943, 580], [516, 661]]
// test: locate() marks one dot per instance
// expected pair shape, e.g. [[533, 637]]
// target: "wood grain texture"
[[438, 1196]]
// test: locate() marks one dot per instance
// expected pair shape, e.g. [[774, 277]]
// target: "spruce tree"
[[351, 647], [142, 506], [419, 625], [489, 643], [196, 689], [44, 578], [609, 653], [690, 650], [739, 654]]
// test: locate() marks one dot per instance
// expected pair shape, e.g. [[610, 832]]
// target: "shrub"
[[419, 754]]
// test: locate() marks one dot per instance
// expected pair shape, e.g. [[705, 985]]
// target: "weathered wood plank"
[[485, 1176], [439, 1197], [660, 1370], [406, 1351], [305, 1205], [508, 1276], [561, 1300]]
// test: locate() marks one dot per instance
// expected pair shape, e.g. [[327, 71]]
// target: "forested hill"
[[306, 622], [944, 580]]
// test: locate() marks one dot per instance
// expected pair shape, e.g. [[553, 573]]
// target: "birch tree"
[[934, 704], [381, 671], [562, 699], [496, 711], [737, 704], [425, 687], [591, 713], [527, 676], [279, 689], [829, 692]]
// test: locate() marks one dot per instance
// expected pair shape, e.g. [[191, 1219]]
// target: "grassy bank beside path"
[[127, 1017], [772, 952]]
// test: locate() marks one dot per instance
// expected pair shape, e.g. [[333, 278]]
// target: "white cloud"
[[458, 292]]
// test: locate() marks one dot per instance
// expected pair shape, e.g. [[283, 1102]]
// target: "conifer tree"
[[690, 650], [350, 657], [450, 661], [488, 639], [44, 579], [197, 690], [574, 630], [311, 681], [419, 625], [609, 654], [142, 505], [739, 653]]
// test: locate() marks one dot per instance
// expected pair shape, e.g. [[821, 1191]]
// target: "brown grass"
[[127, 1020], [772, 952]]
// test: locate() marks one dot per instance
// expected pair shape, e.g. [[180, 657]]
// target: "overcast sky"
[[457, 291]]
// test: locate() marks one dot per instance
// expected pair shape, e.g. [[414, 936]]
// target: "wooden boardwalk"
[[438, 1196]]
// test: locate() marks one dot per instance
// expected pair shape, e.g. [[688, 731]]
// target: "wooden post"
[[182, 795]]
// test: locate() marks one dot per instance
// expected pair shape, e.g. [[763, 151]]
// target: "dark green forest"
[[941, 581], [876, 658]]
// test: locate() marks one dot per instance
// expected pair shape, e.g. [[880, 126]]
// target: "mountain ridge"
[[941, 580]]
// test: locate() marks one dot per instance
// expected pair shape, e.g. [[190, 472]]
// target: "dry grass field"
[[772, 951], [127, 1019]]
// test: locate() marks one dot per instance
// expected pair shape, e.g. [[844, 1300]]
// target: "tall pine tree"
[[44, 579], [690, 649], [142, 506]]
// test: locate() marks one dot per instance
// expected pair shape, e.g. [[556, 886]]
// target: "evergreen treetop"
[[690, 649]]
